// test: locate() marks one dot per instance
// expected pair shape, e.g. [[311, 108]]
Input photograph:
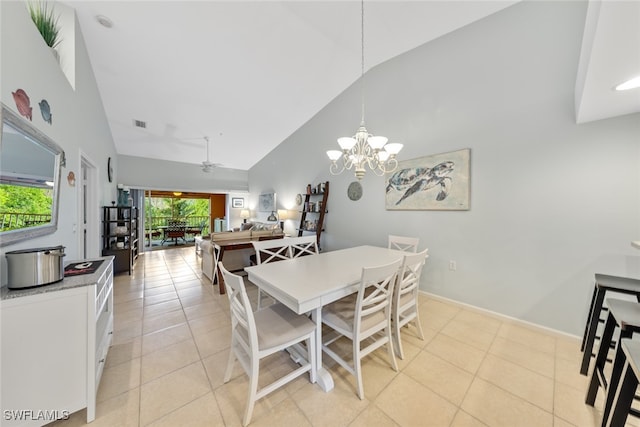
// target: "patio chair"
[[150, 235], [175, 230]]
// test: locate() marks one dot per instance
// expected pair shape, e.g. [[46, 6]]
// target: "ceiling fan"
[[208, 166]]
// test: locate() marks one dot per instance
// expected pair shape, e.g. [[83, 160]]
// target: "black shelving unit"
[[120, 236], [314, 209]]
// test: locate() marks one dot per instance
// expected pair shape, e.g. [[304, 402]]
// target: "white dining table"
[[308, 283]]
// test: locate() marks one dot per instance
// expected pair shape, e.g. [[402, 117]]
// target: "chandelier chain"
[[363, 149], [362, 86]]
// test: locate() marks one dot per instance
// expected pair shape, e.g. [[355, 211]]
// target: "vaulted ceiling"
[[246, 75]]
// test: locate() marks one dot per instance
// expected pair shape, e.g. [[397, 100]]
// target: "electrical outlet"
[[452, 265]]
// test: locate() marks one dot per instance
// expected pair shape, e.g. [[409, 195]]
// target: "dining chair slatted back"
[[403, 243], [270, 251], [405, 297], [216, 259], [364, 318], [304, 245], [243, 330], [256, 335]]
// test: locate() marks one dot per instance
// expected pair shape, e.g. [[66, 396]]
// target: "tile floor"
[[171, 338]]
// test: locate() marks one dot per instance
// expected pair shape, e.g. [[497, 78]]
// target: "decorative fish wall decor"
[[22, 103]]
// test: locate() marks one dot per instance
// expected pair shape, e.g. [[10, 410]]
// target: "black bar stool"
[[603, 284], [626, 316], [623, 394]]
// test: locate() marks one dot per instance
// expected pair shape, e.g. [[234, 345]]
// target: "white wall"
[[552, 202], [140, 172], [79, 121]]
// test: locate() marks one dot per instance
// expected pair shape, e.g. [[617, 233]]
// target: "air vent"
[[140, 124]]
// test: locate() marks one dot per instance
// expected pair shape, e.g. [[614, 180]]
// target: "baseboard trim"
[[501, 316]]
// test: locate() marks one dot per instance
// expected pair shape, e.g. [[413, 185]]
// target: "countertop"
[[66, 283]]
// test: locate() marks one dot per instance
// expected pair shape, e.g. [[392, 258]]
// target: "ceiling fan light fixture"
[[208, 166]]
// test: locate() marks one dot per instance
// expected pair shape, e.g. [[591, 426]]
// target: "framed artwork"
[[436, 182], [237, 202], [267, 202]]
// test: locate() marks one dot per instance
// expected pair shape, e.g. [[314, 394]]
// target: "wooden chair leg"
[[586, 326], [419, 325], [601, 359], [616, 374], [397, 340], [230, 361], [253, 391], [392, 356], [591, 335], [357, 368], [623, 398]]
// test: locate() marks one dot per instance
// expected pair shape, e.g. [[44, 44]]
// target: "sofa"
[[236, 259]]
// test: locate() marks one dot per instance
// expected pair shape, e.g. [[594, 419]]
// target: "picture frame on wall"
[[435, 182], [267, 202], [237, 202]]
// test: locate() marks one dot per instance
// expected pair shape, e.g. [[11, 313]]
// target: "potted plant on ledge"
[[47, 23]]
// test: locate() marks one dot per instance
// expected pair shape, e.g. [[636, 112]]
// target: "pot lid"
[[26, 251]]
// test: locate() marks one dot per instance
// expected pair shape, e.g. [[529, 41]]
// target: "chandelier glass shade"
[[363, 149]]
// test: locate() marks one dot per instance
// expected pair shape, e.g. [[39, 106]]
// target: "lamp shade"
[[346, 143], [244, 214], [334, 154], [377, 142], [393, 148], [383, 155], [282, 214]]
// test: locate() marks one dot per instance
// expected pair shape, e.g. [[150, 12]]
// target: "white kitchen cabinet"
[[55, 339]]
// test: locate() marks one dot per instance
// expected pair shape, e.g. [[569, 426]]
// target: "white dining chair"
[[403, 243], [216, 259], [270, 251], [303, 245], [256, 335], [404, 309], [364, 319]]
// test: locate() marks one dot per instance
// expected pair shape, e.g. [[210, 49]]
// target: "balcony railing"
[[17, 220], [192, 222]]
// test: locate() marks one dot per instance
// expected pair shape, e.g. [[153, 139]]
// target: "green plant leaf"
[[47, 23]]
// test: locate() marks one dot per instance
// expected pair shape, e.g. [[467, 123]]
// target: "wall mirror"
[[30, 165]]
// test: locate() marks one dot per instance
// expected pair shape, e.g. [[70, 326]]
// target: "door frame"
[[88, 208]]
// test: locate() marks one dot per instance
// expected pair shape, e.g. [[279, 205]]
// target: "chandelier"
[[364, 149]]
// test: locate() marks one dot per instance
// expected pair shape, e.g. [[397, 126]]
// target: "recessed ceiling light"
[[629, 84], [104, 21]]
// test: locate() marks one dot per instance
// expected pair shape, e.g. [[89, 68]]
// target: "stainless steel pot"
[[27, 268]]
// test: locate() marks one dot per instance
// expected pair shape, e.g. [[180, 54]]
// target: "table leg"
[[323, 377]]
